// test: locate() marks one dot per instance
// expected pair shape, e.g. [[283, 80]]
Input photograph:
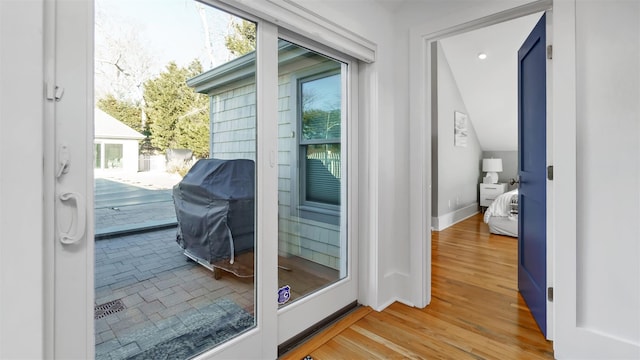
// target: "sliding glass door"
[[316, 266], [175, 245], [237, 218]]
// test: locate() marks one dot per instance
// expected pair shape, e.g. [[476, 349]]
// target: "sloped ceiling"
[[489, 87]]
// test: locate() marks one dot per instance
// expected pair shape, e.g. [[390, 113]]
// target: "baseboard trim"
[[442, 222]]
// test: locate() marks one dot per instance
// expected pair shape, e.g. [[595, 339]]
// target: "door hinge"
[[550, 293], [550, 172], [549, 52]]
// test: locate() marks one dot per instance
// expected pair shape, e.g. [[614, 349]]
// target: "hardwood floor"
[[475, 311]]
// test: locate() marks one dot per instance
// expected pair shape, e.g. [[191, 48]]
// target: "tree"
[[192, 132], [243, 38], [177, 116], [321, 124], [125, 111], [122, 60]]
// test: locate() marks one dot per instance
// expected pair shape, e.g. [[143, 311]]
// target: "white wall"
[[457, 169], [608, 145], [21, 174]]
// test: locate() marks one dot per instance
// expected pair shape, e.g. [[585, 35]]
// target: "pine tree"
[[125, 111], [243, 38], [177, 116]]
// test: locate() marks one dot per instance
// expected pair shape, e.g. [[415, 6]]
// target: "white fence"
[[330, 160]]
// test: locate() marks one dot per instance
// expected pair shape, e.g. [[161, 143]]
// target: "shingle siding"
[[233, 128]]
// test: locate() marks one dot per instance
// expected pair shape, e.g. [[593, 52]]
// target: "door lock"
[[63, 161]]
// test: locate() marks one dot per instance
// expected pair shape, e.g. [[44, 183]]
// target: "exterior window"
[[320, 118], [97, 163], [113, 155]]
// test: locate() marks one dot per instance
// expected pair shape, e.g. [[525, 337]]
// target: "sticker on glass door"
[[284, 294]]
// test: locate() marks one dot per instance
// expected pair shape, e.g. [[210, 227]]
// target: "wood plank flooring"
[[303, 276], [476, 311]]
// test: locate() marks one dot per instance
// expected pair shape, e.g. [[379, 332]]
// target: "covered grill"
[[215, 210]]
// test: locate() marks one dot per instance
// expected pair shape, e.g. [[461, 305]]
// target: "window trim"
[[313, 210]]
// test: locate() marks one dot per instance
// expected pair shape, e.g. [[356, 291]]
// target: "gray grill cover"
[[215, 208]]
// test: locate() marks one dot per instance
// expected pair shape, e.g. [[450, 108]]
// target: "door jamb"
[[420, 140]]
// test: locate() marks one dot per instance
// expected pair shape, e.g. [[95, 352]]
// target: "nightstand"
[[488, 193]]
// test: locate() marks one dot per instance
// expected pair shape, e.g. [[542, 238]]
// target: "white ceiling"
[[489, 87], [391, 5]]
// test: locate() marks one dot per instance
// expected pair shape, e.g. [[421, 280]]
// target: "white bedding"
[[498, 215], [501, 206], [504, 225]]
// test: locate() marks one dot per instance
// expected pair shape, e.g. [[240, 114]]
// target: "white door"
[[332, 266]]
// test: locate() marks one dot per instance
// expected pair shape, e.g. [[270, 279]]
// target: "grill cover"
[[215, 209]]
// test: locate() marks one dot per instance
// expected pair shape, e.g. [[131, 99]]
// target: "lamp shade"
[[492, 165]]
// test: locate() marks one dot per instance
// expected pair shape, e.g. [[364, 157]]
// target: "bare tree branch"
[[207, 35]]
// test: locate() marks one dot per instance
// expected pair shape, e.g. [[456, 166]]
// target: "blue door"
[[532, 131]]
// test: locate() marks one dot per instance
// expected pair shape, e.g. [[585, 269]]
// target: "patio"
[[150, 300], [162, 297]]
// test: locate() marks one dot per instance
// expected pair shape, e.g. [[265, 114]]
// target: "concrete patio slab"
[[133, 202]]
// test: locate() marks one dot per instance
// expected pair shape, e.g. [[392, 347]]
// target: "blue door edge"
[[533, 290]]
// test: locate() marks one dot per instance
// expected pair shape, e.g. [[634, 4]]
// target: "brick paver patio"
[[164, 294]]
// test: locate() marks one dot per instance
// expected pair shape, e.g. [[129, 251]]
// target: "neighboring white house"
[[116, 144], [309, 151]]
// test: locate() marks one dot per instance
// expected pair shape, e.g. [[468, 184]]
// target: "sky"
[[162, 31], [143, 36]]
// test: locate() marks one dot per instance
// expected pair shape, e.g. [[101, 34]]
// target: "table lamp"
[[492, 167]]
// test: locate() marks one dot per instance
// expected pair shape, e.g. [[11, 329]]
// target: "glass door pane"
[[175, 194], [311, 243]]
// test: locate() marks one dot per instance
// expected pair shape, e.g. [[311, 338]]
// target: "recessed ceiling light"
[[482, 56]]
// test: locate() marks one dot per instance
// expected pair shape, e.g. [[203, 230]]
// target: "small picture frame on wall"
[[460, 129]]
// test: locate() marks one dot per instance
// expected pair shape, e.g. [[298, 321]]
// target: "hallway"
[[476, 311]]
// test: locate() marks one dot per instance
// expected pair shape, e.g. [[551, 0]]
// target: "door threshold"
[[313, 330]]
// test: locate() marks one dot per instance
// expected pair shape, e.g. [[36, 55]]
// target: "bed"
[[502, 214]]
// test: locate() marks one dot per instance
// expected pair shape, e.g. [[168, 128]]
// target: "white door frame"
[[420, 140], [69, 122], [571, 338]]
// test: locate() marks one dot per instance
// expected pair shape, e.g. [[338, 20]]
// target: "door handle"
[[514, 181], [80, 218]]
